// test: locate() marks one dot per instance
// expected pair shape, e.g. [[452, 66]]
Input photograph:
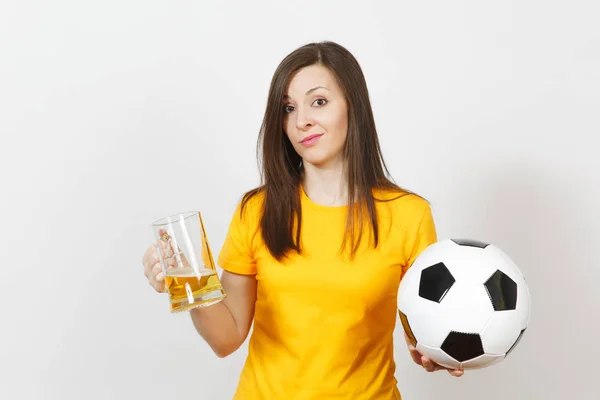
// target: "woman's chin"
[[319, 161]]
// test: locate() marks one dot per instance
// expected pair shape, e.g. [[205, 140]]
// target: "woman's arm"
[[225, 325]]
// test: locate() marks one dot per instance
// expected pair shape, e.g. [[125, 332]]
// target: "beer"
[[189, 289], [191, 278]]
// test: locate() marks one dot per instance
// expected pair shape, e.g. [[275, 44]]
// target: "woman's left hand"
[[426, 363]]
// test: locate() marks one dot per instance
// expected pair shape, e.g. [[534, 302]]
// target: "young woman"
[[314, 256]]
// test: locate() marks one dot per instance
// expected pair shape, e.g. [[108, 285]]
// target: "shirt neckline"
[[320, 207]]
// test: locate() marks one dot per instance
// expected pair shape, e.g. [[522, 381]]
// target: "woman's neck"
[[326, 186]]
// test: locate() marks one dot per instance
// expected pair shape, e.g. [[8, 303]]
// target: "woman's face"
[[316, 116]]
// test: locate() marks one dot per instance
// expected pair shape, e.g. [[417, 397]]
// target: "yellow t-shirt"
[[323, 325]]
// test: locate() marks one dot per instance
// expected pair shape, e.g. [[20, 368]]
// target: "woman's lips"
[[311, 139]]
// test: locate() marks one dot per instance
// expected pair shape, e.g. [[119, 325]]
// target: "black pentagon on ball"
[[471, 243], [463, 346], [502, 291], [435, 282]]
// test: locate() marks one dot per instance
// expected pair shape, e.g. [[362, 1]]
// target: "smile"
[[312, 139]]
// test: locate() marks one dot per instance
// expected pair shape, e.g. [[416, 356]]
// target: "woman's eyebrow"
[[308, 92]]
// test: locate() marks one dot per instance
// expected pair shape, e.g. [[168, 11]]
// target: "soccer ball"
[[464, 304]]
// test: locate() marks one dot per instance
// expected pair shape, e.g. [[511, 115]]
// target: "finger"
[[168, 251], [158, 279], [170, 263], [148, 268], [157, 272], [148, 255], [166, 245], [456, 372], [163, 240], [437, 367], [153, 274], [183, 259], [162, 246], [164, 235], [159, 285], [414, 354], [427, 364]]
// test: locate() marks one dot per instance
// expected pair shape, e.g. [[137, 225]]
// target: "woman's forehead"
[[309, 79]]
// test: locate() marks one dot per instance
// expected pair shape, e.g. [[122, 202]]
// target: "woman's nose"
[[304, 120]]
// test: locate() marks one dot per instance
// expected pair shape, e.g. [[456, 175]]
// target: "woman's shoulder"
[[399, 203], [399, 197], [253, 196], [251, 202]]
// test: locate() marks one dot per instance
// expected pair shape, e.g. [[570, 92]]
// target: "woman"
[[314, 256]]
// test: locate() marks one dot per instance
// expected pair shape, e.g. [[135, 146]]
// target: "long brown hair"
[[281, 167]]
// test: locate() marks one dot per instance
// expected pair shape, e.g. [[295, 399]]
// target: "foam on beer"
[[189, 272]]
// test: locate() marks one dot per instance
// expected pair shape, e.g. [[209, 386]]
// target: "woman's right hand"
[[152, 269], [151, 261], [426, 363]]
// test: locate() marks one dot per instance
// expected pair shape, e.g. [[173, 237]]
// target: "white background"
[[115, 113]]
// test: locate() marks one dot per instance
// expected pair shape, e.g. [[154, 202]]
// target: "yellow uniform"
[[323, 325]]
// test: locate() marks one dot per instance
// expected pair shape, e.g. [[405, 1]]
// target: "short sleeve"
[[236, 255], [425, 236]]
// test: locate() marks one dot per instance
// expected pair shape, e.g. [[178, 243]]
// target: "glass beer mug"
[[191, 278]]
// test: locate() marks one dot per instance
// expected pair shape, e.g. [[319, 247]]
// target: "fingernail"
[[159, 277]]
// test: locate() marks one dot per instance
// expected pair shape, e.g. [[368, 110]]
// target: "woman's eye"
[[320, 102], [288, 109]]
